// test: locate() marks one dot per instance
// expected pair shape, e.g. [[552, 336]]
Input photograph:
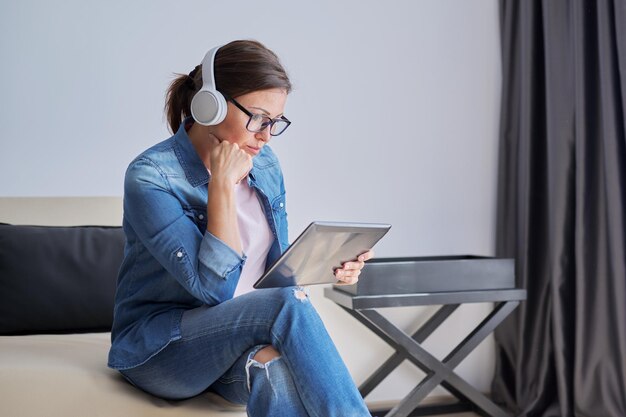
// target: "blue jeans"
[[218, 345]]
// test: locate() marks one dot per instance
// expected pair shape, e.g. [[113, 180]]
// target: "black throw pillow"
[[58, 279]]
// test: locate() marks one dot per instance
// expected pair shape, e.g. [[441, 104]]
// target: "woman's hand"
[[228, 163], [349, 273]]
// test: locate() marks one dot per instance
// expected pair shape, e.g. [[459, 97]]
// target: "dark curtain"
[[561, 207]]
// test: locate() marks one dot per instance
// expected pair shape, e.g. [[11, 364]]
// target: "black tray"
[[383, 276]]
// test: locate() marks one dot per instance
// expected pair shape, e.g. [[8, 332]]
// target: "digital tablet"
[[321, 248]]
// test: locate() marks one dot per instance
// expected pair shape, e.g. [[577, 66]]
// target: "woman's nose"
[[264, 134]]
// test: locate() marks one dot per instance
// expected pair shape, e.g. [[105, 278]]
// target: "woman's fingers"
[[366, 256], [350, 271], [353, 265], [348, 275], [229, 162]]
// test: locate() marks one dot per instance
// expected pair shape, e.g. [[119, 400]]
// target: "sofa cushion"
[[58, 279], [66, 376]]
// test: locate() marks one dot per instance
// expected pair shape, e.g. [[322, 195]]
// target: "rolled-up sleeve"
[[218, 257], [203, 264]]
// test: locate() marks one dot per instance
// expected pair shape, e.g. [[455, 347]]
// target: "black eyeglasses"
[[258, 122]]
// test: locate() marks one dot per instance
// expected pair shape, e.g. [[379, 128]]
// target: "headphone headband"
[[208, 73]]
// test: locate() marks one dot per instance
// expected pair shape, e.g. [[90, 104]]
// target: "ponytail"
[[179, 95]]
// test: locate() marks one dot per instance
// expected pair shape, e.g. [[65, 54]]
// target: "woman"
[[204, 213]]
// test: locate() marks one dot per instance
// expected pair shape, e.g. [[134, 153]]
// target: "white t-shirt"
[[256, 236]]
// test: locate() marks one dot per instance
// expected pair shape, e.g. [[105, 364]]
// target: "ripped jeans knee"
[[271, 388], [253, 363], [272, 376]]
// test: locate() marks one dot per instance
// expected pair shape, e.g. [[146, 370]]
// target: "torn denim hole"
[[301, 293], [253, 362]]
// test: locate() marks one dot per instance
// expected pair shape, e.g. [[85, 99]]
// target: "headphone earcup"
[[208, 107]]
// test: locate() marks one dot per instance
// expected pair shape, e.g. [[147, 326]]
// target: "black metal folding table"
[[448, 281]]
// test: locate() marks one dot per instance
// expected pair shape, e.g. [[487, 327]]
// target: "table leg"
[[400, 354], [437, 372]]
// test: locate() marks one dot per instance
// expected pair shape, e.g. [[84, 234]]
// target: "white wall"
[[395, 116]]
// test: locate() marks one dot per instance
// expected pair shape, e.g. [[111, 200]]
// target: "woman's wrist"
[[221, 184], [222, 213]]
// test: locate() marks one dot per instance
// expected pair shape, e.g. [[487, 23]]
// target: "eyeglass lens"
[[258, 122]]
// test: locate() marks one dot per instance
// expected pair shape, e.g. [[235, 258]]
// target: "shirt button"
[[179, 254], [281, 204], [201, 216]]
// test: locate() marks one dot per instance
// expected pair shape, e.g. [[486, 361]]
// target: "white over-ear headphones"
[[208, 106]]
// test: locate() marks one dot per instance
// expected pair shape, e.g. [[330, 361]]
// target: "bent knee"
[[300, 293], [296, 293]]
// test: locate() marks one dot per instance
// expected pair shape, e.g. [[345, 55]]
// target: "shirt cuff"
[[218, 256]]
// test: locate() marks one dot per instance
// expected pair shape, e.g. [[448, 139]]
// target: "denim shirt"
[[171, 262]]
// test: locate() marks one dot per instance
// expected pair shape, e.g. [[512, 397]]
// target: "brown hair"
[[240, 67]]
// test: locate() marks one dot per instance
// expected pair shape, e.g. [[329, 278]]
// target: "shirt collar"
[[194, 168]]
